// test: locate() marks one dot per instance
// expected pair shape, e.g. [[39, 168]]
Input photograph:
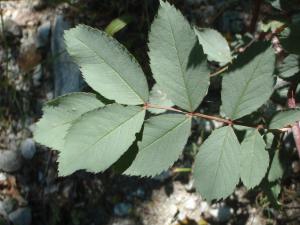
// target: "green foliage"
[[163, 139], [254, 159], [284, 119], [242, 92], [94, 136], [290, 66], [91, 141], [217, 165], [214, 45], [276, 168], [158, 97], [59, 115], [121, 78], [176, 59], [118, 24]]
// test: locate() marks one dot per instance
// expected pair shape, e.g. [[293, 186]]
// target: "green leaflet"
[[107, 66], [285, 118], [158, 97], [254, 159], [176, 59], [214, 45], [163, 140], [290, 66], [217, 165], [276, 169], [58, 116], [99, 138], [250, 82], [118, 24]]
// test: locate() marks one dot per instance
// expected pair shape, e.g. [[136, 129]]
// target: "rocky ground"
[[35, 68]]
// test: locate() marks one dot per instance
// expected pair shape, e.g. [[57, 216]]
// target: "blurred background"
[[34, 68]]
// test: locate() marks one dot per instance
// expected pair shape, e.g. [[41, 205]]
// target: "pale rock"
[[28, 148]]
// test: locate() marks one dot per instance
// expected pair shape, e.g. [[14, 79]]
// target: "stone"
[[190, 204], [66, 73], [43, 35], [7, 205], [37, 75], [29, 55], [10, 160], [21, 216], [38, 4], [122, 209], [122, 221], [190, 186], [221, 213], [28, 148], [163, 176], [3, 177], [11, 28]]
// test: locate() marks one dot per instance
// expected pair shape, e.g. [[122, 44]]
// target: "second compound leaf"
[[214, 45], [250, 82], [285, 118], [217, 165]]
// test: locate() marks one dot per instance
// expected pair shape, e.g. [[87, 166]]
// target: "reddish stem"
[[229, 122], [295, 128]]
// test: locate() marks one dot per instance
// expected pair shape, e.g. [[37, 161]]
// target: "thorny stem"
[[207, 117]]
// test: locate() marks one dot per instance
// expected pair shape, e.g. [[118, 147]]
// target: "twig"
[[221, 70], [229, 122], [295, 127], [255, 15], [147, 105], [208, 117]]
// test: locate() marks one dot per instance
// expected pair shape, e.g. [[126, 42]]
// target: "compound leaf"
[[176, 58], [289, 66], [99, 138], [254, 159], [250, 83], [163, 140], [214, 45], [158, 97], [107, 66], [217, 165], [285, 118], [58, 116]]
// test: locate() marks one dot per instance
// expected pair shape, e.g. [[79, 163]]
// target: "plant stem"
[[221, 70], [204, 116], [147, 106]]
